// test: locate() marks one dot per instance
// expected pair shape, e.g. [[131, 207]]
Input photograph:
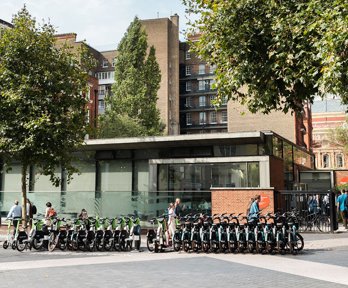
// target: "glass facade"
[[144, 179]]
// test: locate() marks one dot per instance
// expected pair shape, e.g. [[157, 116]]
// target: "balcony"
[[197, 91], [197, 125], [206, 107], [196, 75]]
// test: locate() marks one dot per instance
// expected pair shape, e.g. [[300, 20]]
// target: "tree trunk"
[[24, 194]]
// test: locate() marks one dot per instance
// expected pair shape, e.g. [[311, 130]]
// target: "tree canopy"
[[42, 105], [282, 52], [134, 93], [339, 136]]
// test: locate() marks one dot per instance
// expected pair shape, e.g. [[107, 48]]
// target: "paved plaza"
[[323, 263]]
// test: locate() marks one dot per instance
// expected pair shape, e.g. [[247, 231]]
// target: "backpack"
[[33, 209], [52, 213]]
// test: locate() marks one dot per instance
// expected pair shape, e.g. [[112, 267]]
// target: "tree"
[[134, 93], [339, 136], [281, 52], [42, 107]]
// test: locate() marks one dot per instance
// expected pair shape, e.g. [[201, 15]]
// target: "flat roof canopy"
[[175, 141]]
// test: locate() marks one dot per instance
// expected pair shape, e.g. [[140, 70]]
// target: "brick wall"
[[236, 201], [339, 174]]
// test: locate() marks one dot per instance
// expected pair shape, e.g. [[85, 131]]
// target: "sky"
[[102, 23]]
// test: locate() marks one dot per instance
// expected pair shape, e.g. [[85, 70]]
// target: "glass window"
[[212, 85], [202, 117], [212, 68], [188, 70], [105, 63], [188, 119], [201, 101], [188, 102], [113, 62], [277, 147], [213, 117], [141, 175], [339, 160], [326, 161], [212, 99], [101, 105], [201, 69], [187, 55], [224, 116], [224, 100], [188, 86], [201, 85], [116, 175]]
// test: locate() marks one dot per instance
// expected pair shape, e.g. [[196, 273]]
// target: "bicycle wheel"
[[298, 246], [5, 244], [194, 246], [21, 245], [150, 243], [52, 242], [323, 223]]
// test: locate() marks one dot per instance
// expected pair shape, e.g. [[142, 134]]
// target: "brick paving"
[[323, 263]]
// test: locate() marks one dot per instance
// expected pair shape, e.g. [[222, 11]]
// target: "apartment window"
[[224, 100], [188, 102], [188, 70], [212, 84], [105, 63], [201, 85], [188, 119], [202, 118], [212, 99], [326, 161], [187, 55], [113, 62], [201, 69], [101, 104], [101, 91], [339, 160], [224, 116], [201, 101], [188, 86], [213, 117], [212, 68]]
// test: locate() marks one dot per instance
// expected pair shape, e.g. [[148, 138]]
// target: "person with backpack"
[[49, 213], [342, 202], [254, 208]]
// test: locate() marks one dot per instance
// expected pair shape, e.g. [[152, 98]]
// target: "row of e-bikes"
[[101, 234], [224, 233]]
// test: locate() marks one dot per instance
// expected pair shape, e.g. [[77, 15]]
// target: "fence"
[[317, 209]]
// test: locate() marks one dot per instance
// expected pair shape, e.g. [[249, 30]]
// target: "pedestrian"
[[171, 220], [254, 208], [177, 207], [29, 213], [84, 217], [15, 214], [49, 213], [342, 208]]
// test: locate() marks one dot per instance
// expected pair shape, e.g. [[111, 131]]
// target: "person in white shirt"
[[15, 215]]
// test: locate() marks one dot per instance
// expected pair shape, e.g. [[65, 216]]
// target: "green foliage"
[[119, 125], [339, 136], [137, 80], [42, 107], [284, 52]]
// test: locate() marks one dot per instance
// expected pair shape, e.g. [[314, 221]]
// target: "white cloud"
[[99, 22]]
